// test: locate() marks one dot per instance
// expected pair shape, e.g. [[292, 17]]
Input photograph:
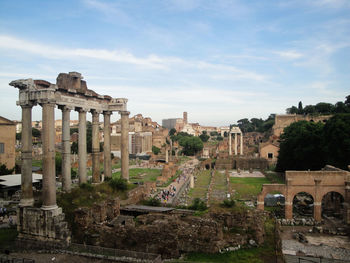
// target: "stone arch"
[[303, 204], [332, 204], [274, 201]]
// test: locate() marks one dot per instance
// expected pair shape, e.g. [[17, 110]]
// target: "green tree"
[[337, 140], [4, 170], [300, 108], [155, 150], [309, 109], [191, 145], [172, 131], [324, 108], [36, 133], [204, 136], [292, 110], [301, 147]]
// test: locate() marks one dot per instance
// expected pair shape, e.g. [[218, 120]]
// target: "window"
[[270, 155], [2, 147]]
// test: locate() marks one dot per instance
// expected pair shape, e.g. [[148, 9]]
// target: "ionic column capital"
[[95, 112], [81, 110], [107, 112], [124, 113], [65, 107], [29, 104]]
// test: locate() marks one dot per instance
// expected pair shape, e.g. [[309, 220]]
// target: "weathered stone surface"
[[43, 225], [173, 234]]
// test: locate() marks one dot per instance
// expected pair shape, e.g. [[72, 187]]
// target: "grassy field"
[[201, 186], [249, 187], [141, 174]]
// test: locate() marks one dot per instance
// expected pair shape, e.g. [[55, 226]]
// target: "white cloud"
[[289, 54], [149, 62], [12, 43]]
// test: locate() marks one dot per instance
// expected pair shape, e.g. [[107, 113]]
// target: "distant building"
[[7, 142], [269, 151]]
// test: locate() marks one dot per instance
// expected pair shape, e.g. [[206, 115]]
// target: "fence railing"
[[9, 259], [115, 253]]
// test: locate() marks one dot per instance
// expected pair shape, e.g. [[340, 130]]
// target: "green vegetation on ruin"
[[85, 196], [263, 254], [141, 174]]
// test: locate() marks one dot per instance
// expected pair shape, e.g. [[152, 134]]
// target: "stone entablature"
[[315, 183]]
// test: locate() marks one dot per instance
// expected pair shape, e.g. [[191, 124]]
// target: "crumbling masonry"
[[69, 93]]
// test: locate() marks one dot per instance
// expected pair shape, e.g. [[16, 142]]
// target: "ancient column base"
[[39, 227]]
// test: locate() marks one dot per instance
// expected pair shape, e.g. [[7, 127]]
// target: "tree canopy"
[[255, 124], [301, 147], [307, 145], [191, 145], [323, 108]]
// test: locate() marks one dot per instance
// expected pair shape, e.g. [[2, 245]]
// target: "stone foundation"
[[39, 226]]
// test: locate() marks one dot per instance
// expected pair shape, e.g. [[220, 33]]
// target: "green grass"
[[141, 174], [262, 254], [7, 237], [249, 187], [201, 185], [37, 163]]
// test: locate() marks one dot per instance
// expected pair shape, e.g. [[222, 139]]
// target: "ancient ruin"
[[315, 183], [69, 93]]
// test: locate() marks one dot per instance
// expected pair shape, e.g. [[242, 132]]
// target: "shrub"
[[155, 150], [228, 203], [86, 186], [152, 202], [198, 204], [4, 170], [118, 184]]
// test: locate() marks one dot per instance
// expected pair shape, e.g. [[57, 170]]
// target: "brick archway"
[[315, 183]]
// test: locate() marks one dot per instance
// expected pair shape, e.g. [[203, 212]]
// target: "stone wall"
[[140, 193], [244, 163], [173, 234], [169, 170]]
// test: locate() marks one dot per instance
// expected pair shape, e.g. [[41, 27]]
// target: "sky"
[[220, 60]]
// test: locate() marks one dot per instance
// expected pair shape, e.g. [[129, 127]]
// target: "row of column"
[[230, 143], [48, 145]]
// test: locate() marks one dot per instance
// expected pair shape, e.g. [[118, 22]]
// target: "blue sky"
[[218, 60]]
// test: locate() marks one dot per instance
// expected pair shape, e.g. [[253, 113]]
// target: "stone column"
[[241, 144], [229, 143], [235, 143], [66, 162], [317, 201], [26, 156], [288, 204], [166, 154], [48, 144], [95, 147], [125, 144], [107, 144], [82, 155], [191, 181]]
